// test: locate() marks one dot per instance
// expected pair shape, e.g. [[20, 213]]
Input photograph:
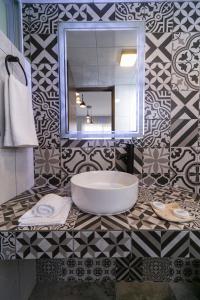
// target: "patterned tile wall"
[[169, 150], [128, 269]]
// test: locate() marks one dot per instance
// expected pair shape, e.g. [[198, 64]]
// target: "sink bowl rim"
[[136, 181]]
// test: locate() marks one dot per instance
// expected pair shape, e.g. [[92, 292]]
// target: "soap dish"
[[168, 213]]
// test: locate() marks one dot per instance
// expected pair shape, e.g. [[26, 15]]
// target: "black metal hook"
[[11, 58]]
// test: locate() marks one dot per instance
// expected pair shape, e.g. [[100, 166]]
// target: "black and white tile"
[[195, 244], [158, 47], [185, 46], [158, 77], [157, 105], [101, 12], [121, 159], [46, 113], [156, 178], [158, 17], [156, 133], [156, 160], [138, 160], [74, 269], [185, 167], [94, 244], [47, 166], [129, 268], [27, 46], [77, 160], [186, 270], [43, 18], [44, 48], [185, 61], [7, 246], [157, 269], [184, 104], [45, 78], [35, 245], [146, 243], [175, 244], [186, 16], [72, 12], [184, 133]]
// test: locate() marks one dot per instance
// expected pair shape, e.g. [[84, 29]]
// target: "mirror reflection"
[[102, 89]]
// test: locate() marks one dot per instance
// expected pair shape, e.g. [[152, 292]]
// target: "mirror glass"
[[104, 74]]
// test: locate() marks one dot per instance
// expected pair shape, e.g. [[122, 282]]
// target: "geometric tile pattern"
[[185, 77], [73, 269], [157, 269], [94, 244], [129, 268], [7, 246], [185, 167], [195, 244], [187, 16], [45, 77], [175, 244], [72, 12], [34, 245], [158, 16], [156, 160], [138, 232], [158, 47], [43, 18], [172, 77], [157, 179], [77, 160], [44, 49], [184, 132], [46, 113], [146, 243], [140, 217], [186, 270], [185, 105], [158, 76], [185, 61], [157, 105], [156, 133], [47, 166], [101, 12]]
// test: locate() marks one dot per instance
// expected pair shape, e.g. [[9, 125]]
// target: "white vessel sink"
[[104, 192]]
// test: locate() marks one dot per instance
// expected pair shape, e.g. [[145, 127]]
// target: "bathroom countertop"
[[138, 226]]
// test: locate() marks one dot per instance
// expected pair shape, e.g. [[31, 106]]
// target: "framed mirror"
[[101, 79]]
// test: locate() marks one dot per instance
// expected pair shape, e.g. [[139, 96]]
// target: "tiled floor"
[[119, 291]]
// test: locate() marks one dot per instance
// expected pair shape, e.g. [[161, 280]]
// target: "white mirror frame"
[[74, 26]]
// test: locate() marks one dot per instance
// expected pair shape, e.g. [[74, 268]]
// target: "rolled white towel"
[[28, 219], [43, 210]]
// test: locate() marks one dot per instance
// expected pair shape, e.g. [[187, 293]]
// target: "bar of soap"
[[181, 213], [158, 205]]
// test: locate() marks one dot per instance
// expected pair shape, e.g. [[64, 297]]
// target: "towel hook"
[[11, 58]]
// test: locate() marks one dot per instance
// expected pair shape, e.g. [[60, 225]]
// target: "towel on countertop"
[[19, 120], [49, 206], [50, 210]]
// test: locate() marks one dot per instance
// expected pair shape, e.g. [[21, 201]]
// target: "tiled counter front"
[[137, 233]]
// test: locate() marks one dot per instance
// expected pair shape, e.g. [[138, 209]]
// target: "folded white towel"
[[61, 211], [49, 205], [19, 120]]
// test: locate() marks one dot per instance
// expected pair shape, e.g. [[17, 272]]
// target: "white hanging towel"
[[19, 120]]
